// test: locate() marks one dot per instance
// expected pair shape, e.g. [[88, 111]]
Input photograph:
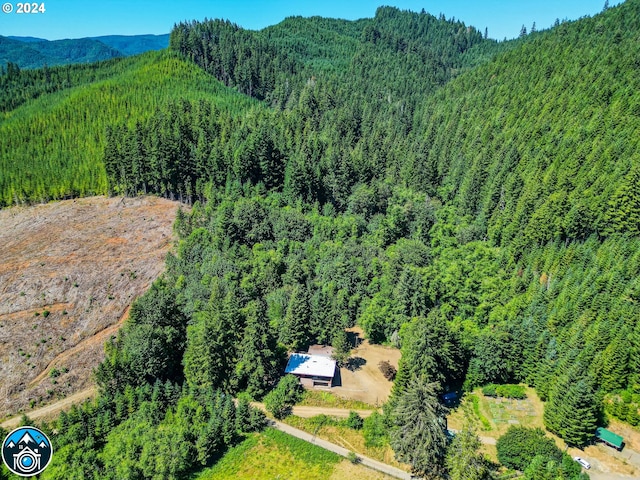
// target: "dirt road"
[[52, 410], [485, 440]]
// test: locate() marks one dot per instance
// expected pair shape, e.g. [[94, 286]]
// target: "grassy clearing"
[[501, 413], [486, 426], [335, 431], [496, 415], [315, 398], [270, 455]]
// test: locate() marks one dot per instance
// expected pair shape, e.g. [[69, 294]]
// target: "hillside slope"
[[68, 273], [135, 44], [543, 142], [519, 180], [480, 212], [52, 147], [32, 52]]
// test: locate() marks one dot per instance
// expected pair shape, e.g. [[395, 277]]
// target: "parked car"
[[583, 462]]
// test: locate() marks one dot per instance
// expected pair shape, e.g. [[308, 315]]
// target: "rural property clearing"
[[362, 380], [496, 415], [68, 273]]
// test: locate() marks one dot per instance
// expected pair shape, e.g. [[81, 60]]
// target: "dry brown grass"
[[68, 272], [346, 470]]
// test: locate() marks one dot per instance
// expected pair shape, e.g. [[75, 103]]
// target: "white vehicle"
[[583, 462]]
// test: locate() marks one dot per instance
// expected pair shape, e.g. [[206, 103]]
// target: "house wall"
[[310, 382]]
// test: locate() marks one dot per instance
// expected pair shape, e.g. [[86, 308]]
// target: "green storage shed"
[[610, 438]]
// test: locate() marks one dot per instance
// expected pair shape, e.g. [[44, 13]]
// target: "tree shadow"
[[354, 339], [355, 363]]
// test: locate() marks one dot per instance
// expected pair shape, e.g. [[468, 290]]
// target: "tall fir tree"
[[294, 330], [257, 368], [615, 363], [418, 435], [573, 411]]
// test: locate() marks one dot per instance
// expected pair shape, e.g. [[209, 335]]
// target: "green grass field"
[[273, 455], [496, 415], [317, 398], [334, 430]]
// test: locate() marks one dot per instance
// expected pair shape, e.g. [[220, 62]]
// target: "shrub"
[[476, 409], [374, 431], [319, 421], [249, 419], [354, 421], [506, 391], [280, 400], [388, 370], [520, 445], [489, 390], [511, 391]]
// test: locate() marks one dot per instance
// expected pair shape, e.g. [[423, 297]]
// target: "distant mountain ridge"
[[33, 52], [135, 44]]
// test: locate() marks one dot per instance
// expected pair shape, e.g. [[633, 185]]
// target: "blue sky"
[[82, 18]]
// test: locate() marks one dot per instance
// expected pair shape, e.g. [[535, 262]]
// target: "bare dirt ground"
[[631, 435], [363, 380], [68, 273], [608, 460]]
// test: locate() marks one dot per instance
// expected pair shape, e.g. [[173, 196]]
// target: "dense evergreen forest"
[[52, 145], [475, 203]]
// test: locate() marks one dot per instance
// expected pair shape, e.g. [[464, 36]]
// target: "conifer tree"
[[257, 367], [430, 350], [341, 347], [573, 411], [624, 207], [615, 363], [634, 356], [294, 331], [580, 414], [418, 436], [464, 459]]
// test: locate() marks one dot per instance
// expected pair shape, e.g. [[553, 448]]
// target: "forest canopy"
[[448, 193]]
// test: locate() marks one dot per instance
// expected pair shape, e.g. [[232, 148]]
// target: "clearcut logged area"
[[68, 273]]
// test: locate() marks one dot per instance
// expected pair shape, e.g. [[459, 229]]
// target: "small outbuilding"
[[312, 370], [612, 439]]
